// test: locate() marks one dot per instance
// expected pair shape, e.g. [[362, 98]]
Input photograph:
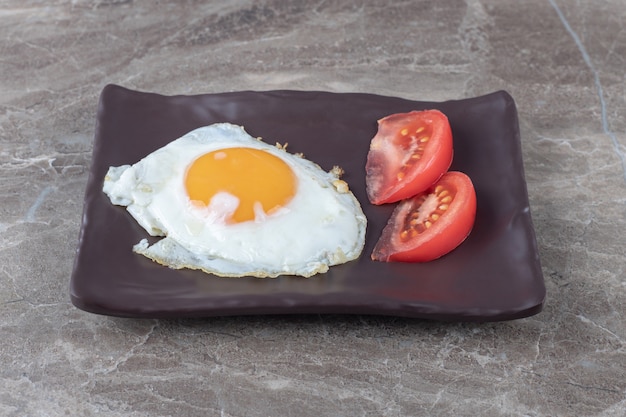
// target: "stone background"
[[564, 63]]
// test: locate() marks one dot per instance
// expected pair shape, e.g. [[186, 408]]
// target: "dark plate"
[[494, 275]]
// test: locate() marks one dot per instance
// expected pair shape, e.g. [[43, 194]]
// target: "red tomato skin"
[[445, 235], [385, 154]]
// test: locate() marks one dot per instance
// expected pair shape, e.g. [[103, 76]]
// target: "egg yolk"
[[255, 177]]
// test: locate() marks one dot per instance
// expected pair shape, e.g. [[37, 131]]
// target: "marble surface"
[[563, 62]]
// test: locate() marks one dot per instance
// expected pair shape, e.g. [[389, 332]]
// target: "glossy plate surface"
[[494, 275]]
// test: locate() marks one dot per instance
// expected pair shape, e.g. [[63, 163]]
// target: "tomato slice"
[[431, 224], [408, 154]]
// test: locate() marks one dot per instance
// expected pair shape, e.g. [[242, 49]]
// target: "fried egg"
[[232, 205]]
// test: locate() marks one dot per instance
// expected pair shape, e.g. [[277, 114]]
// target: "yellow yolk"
[[254, 176]]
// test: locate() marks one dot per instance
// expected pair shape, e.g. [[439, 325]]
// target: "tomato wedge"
[[408, 154], [431, 224]]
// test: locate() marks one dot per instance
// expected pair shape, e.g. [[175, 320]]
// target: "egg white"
[[323, 224]]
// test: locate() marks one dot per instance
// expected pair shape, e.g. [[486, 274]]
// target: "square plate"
[[494, 275]]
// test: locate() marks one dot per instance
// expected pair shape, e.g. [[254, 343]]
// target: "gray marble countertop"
[[563, 62]]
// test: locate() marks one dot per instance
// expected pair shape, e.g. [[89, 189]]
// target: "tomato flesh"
[[408, 154], [431, 224]]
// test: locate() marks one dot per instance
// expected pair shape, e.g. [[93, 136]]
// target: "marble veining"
[[562, 61], [605, 123]]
